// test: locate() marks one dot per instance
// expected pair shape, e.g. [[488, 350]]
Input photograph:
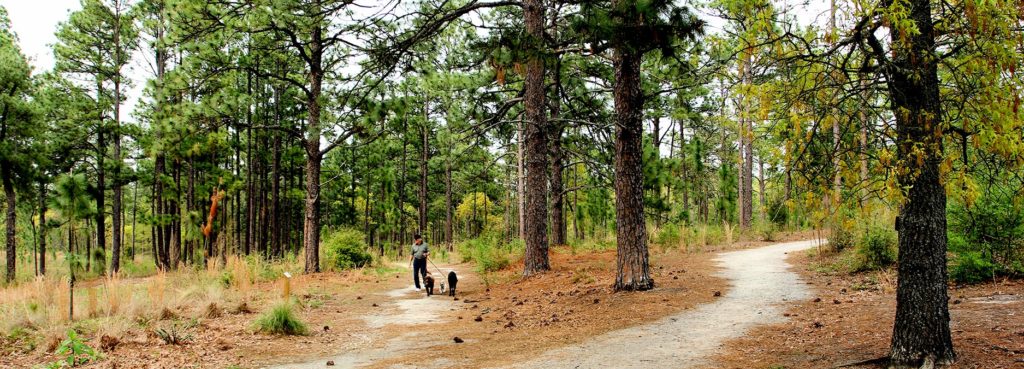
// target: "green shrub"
[[345, 249], [877, 249], [281, 320], [842, 238], [488, 255], [987, 236], [778, 212], [766, 230], [972, 267], [668, 236]]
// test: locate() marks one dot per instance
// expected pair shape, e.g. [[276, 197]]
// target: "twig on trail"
[[884, 360]]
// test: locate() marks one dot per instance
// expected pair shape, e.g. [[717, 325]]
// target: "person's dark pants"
[[419, 268]]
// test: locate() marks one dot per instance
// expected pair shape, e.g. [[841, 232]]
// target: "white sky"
[[35, 22]]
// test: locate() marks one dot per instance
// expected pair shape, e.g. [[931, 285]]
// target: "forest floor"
[[503, 320], [850, 316], [570, 316], [374, 316]]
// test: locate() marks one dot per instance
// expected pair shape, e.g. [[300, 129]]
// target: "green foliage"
[[174, 335], [972, 267], [281, 320], [987, 236], [486, 253], [766, 230], [74, 351], [668, 236], [876, 249], [345, 249], [842, 238]]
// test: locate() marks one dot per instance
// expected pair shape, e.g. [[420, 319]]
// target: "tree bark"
[[747, 150], [275, 206], [521, 181], [558, 227], [424, 162], [632, 261], [535, 259], [42, 227], [115, 258], [11, 221], [174, 210], [311, 226], [448, 231], [921, 332], [101, 186], [760, 188]]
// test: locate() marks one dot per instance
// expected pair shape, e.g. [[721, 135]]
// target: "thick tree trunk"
[[921, 332], [11, 221], [311, 226], [536, 257], [632, 263]]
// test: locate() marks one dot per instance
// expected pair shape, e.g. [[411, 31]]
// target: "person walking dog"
[[420, 252]]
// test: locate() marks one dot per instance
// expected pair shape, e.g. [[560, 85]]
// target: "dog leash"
[[435, 267], [441, 274]]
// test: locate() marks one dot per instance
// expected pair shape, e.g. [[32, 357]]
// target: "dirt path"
[[761, 283], [407, 308]]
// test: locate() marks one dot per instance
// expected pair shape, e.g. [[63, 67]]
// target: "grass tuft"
[[282, 320]]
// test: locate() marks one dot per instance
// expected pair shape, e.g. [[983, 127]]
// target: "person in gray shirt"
[[420, 252]]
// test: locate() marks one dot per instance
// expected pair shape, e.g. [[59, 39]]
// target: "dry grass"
[[125, 307]]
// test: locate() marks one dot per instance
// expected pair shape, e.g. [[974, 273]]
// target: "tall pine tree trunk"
[[520, 181], [174, 209], [448, 236], [116, 218], [11, 220], [424, 161], [558, 227], [536, 257], [921, 332], [746, 150], [632, 261], [311, 225], [42, 227], [101, 186]]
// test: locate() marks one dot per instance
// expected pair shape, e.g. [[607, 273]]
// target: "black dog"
[[452, 281], [428, 283]]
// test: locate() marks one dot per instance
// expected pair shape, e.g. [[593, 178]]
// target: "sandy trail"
[[761, 284], [407, 307]]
